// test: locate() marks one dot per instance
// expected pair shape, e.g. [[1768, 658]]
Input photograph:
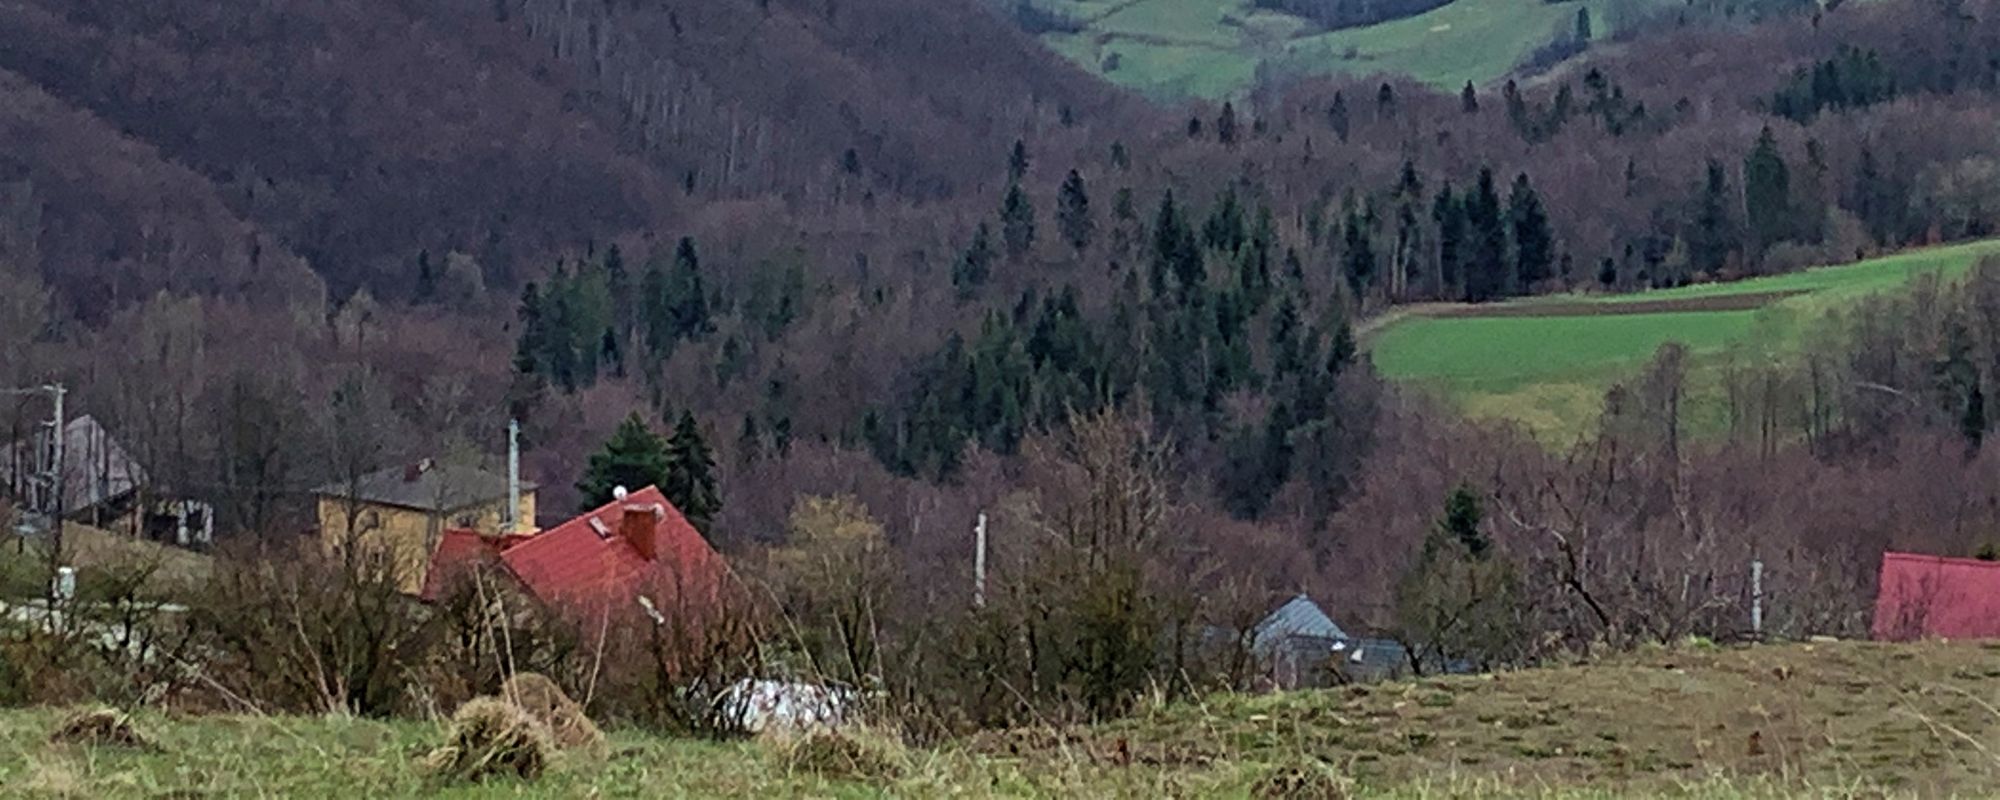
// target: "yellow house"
[[400, 513]]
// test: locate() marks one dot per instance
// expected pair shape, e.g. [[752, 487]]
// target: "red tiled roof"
[[1930, 596], [582, 568]]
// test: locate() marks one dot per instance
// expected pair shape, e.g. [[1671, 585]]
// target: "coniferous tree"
[[1534, 245], [427, 278], [1357, 257], [1468, 99], [1225, 124], [1073, 212], [1487, 272], [1582, 32], [1017, 222], [1336, 116], [688, 303], [1462, 515], [690, 474], [618, 283], [974, 265], [1714, 231], [1767, 193], [656, 318], [1017, 162], [1385, 101], [634, 457], [1448, 214]]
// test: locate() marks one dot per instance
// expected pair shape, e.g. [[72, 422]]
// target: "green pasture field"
[[1546, 362]]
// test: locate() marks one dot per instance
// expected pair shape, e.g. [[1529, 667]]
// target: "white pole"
[[512, 522], [1757, 598], [57, 474], [979, 563]]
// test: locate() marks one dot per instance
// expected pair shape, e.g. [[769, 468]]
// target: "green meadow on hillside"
[[1546, 362], [1213, 48]]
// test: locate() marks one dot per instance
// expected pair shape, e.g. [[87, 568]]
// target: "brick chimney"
[[641, 526]]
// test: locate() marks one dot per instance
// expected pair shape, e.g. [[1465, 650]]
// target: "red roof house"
[[604, 560], [1935, 597]]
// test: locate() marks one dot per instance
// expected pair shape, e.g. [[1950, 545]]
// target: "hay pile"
[[1305, 779], [842, 756], [571, 729], [99, 727], [492, 737]]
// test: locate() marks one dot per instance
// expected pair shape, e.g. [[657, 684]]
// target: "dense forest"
[[880, 246]]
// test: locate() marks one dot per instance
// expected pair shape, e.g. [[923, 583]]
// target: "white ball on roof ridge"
[[619, 493]]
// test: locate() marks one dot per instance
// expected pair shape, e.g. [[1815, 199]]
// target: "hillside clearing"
[[1545, 362], [1821, 720]]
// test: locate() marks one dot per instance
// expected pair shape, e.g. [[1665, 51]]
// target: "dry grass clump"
[[489, 737], [1303, 779], [571, 729], [843, 756], [99, 727]]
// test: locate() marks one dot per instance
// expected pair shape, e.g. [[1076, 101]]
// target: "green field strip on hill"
[[1546, 362]]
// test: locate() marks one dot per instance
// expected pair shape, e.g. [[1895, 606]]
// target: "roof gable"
[[1933, 596], [96, 468], [1299, 616], [425, 487], [586, 562]]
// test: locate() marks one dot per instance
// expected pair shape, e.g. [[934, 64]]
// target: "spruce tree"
[[1714, 231], [427, 278], [1017, 222], [1448, 214], [1462, 516], [1767, 193], [1534, 245], [976, 263], [1225, 124], [634, 457], [1487, 272], [1468, 99], [1581, 33], [1357, 257], [1336, 116], [1017, 162], [690, 474], [1073, 212]]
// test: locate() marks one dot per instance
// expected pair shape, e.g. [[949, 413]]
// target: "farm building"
[[104, 486], [1923, 597], [404, 511], [634, 554], [1301, 646]]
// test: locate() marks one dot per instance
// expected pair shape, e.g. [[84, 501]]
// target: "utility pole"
[[1757, 599], [512, 520], [979, 563], [46, 487]]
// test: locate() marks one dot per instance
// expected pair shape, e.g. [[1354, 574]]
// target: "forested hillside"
[[886, 247]]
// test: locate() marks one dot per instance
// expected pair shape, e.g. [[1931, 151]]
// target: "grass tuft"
[[492, 737], [99, 727]]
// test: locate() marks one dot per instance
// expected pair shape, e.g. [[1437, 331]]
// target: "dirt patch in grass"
[[1586, 308]]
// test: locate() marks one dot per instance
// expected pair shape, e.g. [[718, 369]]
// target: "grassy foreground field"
[[1212, 48], [1546, 362], [1800, 720]]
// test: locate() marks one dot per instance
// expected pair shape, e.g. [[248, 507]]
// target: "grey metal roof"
[[1298, 617], [96, 468], [425, 487]]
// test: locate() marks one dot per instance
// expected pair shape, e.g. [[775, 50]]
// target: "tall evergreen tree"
[[1073, 212], [1017, 162], [690, 474], [634, 457], [427, 278], [688, 301], [1534, 243], [1357, 256], [1487, 272], [1017, 222], [1714, 234], [1468, 99], [1767, 193], [1336, 116], [974, 265], [1463, 512], [1448, 214], [1581, 33], [1225, 124]]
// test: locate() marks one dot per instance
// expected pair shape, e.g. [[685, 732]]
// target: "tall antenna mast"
[[513, 516]]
